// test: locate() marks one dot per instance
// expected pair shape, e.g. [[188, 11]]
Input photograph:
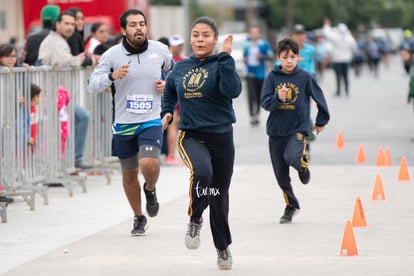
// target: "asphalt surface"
[[88, 234]]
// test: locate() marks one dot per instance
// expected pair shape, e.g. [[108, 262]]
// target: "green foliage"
[[165, 2], [355, 13], [195, 10]]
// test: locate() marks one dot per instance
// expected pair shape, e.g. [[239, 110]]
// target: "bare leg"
[[132, 190], [150, 168]]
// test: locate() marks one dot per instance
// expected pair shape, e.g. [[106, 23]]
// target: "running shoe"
[[304, 175], [140, 226], [192, 236], [152, 202], [290, 212], [173, 161], [224, 259]]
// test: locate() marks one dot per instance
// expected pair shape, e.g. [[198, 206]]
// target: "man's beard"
[[136, 43]]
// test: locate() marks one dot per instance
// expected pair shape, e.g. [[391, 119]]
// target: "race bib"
[[139, 104]]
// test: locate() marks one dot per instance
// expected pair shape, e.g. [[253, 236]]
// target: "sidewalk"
[[94, 227], [261, 246]]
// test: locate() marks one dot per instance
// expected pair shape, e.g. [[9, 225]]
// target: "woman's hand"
[[227, 45], [166, 120]]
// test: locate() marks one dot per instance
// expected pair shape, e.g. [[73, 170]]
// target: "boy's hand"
[[319, 129], [282, 94]]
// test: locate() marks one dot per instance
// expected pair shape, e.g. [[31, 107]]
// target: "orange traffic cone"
[[378, 191], [349, 247], [361, 159], [387, 157], [380, 157], [359, 219], [403, 174], [340, 141]]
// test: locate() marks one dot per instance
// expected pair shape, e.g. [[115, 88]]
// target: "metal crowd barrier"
[[99, 142], [26, 169]]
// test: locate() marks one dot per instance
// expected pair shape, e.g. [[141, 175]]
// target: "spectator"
[[99, 35], [35, 91], [343, 49], [406, 48], [8, 57], [359, 55], [76, 40], [55, 51], [373, 54], [306, 50], [255, 53], [306, 61], [176, 43], [410, 97], [48, 16]]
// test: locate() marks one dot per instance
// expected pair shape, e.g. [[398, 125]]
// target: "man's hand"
[[159, 85], [227, 44], [121, 72], [81, 57]]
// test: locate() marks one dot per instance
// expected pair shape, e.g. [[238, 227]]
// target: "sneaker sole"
[[192, 243], [290, 221], [224, 266], [141, 234], [153, 213]]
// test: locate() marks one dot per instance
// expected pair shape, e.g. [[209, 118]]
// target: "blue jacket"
[[266, 52], [307, 58], [293, 115], [205, 90]]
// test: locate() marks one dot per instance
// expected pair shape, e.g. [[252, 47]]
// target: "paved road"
[[93, 227], [376, 114]]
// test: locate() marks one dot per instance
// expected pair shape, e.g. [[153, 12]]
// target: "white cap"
[[342, 28], [176, 40]]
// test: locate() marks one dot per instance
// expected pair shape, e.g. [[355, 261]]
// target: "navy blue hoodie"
[[205, 90], [293, 115]]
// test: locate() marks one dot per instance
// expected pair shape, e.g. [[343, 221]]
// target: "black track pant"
[[210, 158], [254, 89], [286, 152]]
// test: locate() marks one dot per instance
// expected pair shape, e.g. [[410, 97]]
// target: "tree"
[[354, 13], [165, 2]]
